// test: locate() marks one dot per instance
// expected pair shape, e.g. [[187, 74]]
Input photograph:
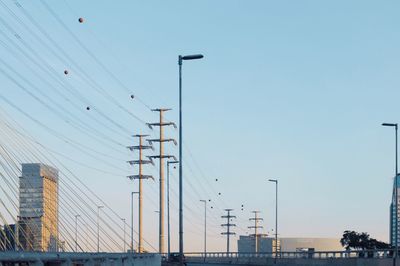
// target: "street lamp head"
[[192, 57], [389, 124], [203, 200], [189, 57], [273, 180]]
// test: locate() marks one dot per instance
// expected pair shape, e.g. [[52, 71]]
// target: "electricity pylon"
[[161, 124], [228, 226], [140, 177], [256, 219]]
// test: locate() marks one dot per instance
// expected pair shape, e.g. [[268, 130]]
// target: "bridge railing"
[[381, 253]]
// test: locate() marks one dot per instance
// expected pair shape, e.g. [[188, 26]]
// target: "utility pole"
[[228, 226], [161, 124], [256, 219], [140, 177]]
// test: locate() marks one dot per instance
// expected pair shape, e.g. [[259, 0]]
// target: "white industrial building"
[[246, 244]]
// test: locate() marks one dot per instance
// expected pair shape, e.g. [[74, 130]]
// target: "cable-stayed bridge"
[[62, 105], [76, 116]]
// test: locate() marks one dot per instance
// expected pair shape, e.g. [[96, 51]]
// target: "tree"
[[361, 241]]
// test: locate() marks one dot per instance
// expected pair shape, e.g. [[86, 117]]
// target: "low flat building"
[[247, 244], [290, 244]]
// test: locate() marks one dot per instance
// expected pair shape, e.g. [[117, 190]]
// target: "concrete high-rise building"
[[393, 213], [38, 207]]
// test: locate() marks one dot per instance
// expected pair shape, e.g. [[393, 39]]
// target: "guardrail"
[[84, 258], [381, 253]]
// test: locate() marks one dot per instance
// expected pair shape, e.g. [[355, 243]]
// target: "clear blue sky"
[[294, 90]]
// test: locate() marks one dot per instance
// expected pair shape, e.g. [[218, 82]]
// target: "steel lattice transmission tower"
[[140, 177], [161, 124], [256, 219], [228, 226]]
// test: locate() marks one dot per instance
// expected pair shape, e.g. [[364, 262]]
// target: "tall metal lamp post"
[[276, 216], [180, 60], [98, 227], [169, 229], [205, 227], [395, 125], [76, 232], [124, 223]]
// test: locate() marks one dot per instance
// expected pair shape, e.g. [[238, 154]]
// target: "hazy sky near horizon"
[[293, 90]]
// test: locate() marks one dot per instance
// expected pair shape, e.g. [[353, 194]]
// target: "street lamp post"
[[180, 60], [169, 230], [395, 125], [98, 227], [124, 221], [205, 227], [276, 216], [132, 193], [76, 232]]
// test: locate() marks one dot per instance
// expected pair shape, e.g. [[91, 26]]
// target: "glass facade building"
[[38, 207], [393, 213]]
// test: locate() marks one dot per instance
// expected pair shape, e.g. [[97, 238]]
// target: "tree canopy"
[[361, 241]]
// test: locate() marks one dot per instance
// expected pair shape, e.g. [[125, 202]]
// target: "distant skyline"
[[292, 90]]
